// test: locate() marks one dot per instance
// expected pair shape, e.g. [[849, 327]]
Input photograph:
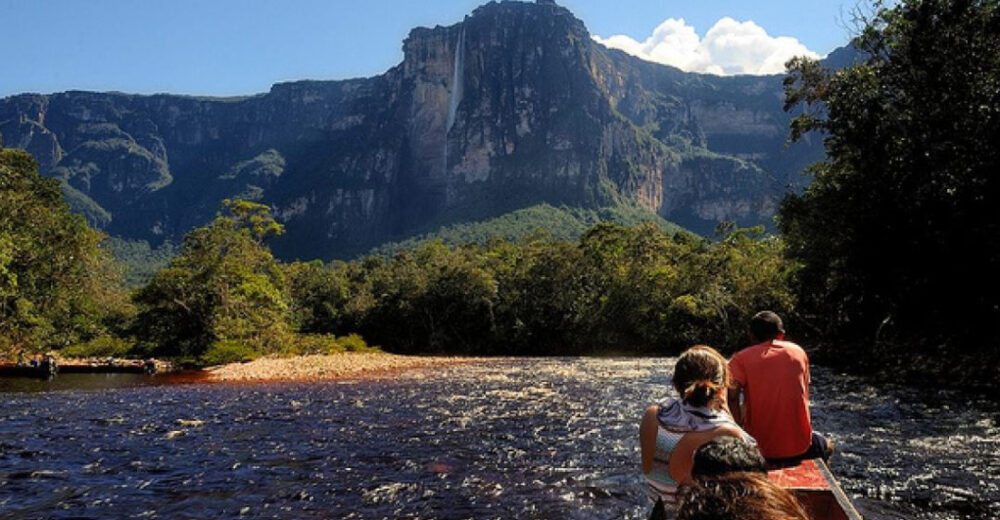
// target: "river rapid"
[[520, 438]]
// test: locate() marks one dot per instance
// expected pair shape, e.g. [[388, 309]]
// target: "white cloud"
[[729, 47]]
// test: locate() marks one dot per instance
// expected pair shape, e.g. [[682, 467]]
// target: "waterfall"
[[457, 80]]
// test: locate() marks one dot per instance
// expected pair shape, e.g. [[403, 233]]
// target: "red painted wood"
[[806, 475]]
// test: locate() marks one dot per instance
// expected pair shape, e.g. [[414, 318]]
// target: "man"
[[772, 376]]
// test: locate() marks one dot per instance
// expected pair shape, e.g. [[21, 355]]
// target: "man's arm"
[[738, 378], [734, 403], [682, 458]]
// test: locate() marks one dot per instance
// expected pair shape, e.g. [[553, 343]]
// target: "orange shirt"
[[775, 381]]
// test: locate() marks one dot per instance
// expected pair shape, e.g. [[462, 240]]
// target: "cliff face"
[[514, 106]]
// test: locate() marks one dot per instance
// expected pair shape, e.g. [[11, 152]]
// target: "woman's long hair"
[[737, 496]]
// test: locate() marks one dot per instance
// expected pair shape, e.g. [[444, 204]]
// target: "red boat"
[[817, 490]]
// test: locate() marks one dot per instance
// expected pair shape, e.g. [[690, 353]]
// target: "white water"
[[510, 438]]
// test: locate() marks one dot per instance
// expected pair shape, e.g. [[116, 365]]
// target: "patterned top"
[[677, 419]]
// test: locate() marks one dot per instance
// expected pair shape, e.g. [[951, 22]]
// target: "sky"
[[237, 47]]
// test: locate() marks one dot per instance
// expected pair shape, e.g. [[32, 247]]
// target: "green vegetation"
[[559, 223], [622, 289], [223, 297], [625, 290], [81, 204], [268, 164], [898, 232], [100, 347], [57, 287], [223, 294], [140, 261]]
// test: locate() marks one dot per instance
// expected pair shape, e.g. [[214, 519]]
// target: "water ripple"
[[538, 438]]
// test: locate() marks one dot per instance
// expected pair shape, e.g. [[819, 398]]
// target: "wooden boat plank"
[[816, 488]]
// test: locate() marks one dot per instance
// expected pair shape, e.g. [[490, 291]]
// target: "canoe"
[[817, 490], [102, 369], [9, 370]]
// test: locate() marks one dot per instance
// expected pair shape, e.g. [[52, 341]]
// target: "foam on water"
[[533, 438]]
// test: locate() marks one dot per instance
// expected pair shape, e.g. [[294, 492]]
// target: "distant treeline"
[[625, 290], [224, 297]]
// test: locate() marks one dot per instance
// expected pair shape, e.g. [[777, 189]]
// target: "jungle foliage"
[[898, 232], [618, 289], [224, 291], [139, 260], [57, 287], [224, 297]]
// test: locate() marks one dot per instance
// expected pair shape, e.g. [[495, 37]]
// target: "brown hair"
[[765, 326], [737, 496], [700, 374]]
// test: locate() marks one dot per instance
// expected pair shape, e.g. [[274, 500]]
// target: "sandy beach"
[[326, 367]]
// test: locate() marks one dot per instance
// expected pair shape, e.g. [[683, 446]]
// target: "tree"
[[432, 298], [541, 291], [897, 232], [319, 296], [254, 218], [620, 289], [57, 287], [224, 297]]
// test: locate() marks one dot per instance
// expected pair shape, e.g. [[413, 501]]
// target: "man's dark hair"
[[726, 454], [766, 325]]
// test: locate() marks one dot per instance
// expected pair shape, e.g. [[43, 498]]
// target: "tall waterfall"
[[457, 80]]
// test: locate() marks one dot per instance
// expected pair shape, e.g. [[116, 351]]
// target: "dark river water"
[[528, 438]]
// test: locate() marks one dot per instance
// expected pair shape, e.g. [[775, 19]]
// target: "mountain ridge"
[[543, 115]]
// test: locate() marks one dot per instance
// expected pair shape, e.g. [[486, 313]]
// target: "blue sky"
[[232, 47]]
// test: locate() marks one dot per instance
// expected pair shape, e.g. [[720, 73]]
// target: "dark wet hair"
[[766, 325], [737, 496], [700, 374], [727, 454]]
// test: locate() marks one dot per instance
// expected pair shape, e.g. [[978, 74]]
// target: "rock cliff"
[[514, 106]]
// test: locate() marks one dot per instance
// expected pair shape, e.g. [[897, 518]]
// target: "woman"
[[672, 431]]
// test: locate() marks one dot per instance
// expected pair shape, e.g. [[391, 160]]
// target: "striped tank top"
[[675, 420]]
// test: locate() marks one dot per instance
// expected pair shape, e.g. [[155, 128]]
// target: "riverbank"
[[944, 367], [325, 367]]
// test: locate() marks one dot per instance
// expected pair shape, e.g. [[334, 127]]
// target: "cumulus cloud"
[[729, 47]]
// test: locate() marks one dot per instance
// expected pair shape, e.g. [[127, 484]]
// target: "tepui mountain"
[[513, 107]]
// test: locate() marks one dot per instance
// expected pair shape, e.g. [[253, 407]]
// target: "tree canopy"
[[223, 292], [626, 290], [57, 287], [898, 231]]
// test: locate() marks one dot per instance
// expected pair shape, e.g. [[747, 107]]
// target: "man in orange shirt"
[[773, 378]]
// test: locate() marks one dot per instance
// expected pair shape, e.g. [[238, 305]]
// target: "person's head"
[[737, 496], [766, 326], [727, 454], [701, 375]]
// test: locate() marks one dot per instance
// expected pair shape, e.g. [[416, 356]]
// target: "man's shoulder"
[[792, 348], [752, 350], [762, 352]]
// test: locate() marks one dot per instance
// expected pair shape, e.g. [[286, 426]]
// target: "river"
[[522, 438]]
